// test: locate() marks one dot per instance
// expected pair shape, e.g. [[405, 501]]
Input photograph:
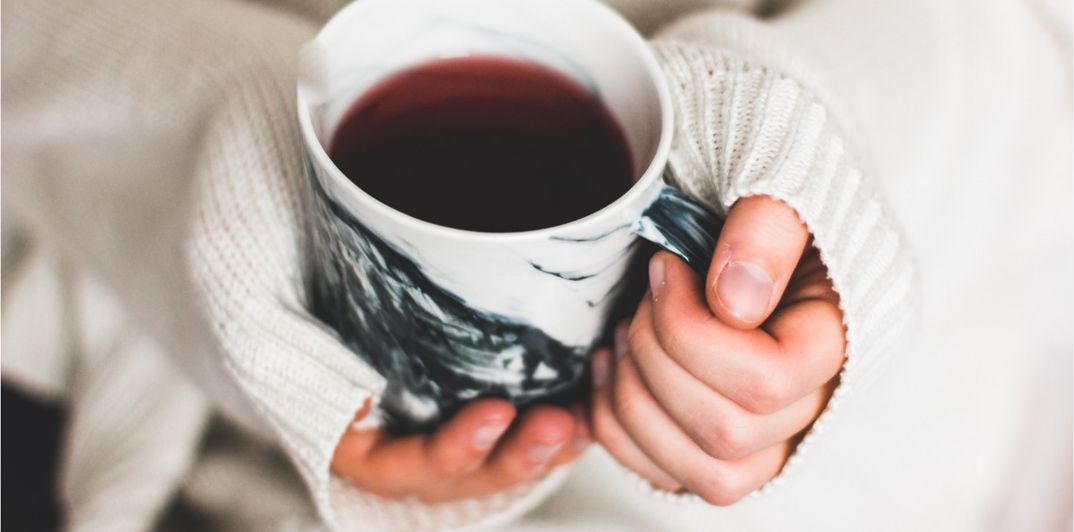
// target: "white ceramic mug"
[[448, 315]]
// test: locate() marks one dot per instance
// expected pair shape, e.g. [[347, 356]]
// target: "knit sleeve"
[[746, 125], [245, 255], [156, 143]]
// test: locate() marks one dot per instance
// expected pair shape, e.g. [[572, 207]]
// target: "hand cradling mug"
[[482, 173]]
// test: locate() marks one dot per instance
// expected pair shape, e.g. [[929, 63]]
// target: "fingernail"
[[656, 277], [543, 452], [486, 435], [600, 371], [744, 288], [621, 340]]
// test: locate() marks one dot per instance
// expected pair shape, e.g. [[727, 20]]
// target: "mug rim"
[[652, 172]]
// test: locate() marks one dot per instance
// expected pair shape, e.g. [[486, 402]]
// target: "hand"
[[471, 455], [710, 386]]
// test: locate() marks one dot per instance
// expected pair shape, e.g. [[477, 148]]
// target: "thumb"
[[759, 247]]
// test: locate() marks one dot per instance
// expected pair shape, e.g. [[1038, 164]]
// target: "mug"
[[448, 315]]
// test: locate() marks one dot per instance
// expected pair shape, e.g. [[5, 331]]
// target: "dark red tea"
[[486, 144]]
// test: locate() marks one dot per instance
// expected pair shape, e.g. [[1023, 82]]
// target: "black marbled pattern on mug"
[[435, 351], [566, 276], [593, 238], [681, 225], [590, 271], [675, 222]]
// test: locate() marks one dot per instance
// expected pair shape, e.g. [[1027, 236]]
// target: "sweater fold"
[[744, 128]]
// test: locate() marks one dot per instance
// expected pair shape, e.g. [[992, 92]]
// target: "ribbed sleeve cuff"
[[377, 514], [743, 129]]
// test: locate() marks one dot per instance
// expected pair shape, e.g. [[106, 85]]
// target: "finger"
[[813, 326], [759, 246], [354, 445], [500, 473], [810, 281], [610, 434], [722, 428], [580, 438], [762, 370], [396, 467], [527, 451], [716, 481]]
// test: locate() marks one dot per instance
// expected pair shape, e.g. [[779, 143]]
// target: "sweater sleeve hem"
[[745, 129], [351, 505]]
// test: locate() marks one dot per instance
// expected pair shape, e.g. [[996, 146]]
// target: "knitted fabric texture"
[[208, 242], [744, 129]]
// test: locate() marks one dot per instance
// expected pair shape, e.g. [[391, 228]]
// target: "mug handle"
[[682, 225]]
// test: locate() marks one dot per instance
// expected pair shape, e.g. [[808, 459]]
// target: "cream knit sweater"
[[153, 231]]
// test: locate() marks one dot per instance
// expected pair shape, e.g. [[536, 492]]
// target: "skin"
[[485, 448], [697, 397]]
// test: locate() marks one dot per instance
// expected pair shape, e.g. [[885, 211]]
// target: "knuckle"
[[517, 470], [519, 465], [767, 390], [450, 461], [729, 439], [674, 333], [719, 490]]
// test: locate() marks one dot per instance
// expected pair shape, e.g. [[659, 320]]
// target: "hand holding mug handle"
[[681, 225], [713, 382]]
